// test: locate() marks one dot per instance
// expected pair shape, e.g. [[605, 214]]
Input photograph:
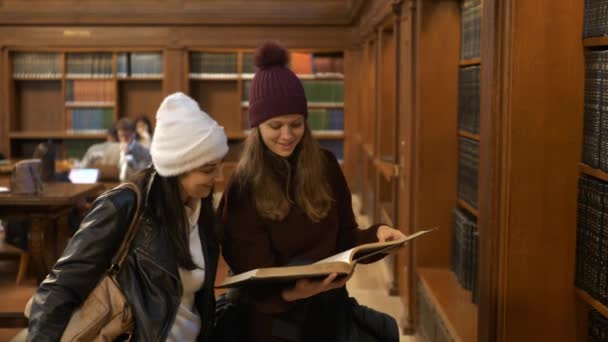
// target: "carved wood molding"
[[114, 37], [494, 163], [179, 12], [373, 14]]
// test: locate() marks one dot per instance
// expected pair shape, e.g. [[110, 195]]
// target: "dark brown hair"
[[166, 205], [125, 124], [272, 198]]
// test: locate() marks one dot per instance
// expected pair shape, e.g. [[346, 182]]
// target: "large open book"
[[341, 263]]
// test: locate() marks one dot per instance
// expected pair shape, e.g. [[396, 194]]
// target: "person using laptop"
[[169, 271], [118, 160]]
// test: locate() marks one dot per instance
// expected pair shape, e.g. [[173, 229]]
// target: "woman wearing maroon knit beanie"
[[288, 203]]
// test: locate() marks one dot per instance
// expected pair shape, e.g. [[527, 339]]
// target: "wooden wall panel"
[[406, 147], [317, 37], [352, 103], [219, 99], [43, 103], [373, 13], [544, 144], [176, 71], [4, 103], [140, 97], [435, 156], [179, 12]]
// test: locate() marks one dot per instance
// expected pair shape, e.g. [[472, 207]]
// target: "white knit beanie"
[[185, 137]]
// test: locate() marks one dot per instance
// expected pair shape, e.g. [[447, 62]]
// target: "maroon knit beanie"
[[275, 90]]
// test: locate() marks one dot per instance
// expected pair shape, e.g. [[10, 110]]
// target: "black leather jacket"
[[149, 276]]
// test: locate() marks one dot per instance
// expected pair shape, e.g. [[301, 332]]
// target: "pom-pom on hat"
[[185, 137], [275, 90]]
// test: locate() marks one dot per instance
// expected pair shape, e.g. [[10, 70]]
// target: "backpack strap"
[[120, 256]]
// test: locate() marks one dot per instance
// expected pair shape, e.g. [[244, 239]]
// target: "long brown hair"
[[272, 198]]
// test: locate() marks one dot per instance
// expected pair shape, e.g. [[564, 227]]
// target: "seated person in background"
[[134, 157], [103, 154], [124, 157], [143, 128], [112, 135]]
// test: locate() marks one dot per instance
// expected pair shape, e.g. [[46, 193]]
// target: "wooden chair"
[[8, 251]]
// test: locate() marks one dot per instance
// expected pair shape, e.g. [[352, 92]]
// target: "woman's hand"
[[305, 288], [386, 233]]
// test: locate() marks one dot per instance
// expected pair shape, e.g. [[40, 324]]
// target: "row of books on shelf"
[[596, 18], [134, 64], [213, 63], [595, 125], [315, 64], [334, 146], [36, 65], [90, 91], [90, 119], [89, 65], [139, 64], [470, 31], [430, 323], [226, 63], [468, 165], [468, 99], [317, 91], [324, 91], [465, 251], [597, 328], [326, 119], [592, 238]]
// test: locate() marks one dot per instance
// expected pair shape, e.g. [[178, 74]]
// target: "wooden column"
[[531, 134], [176, 70]]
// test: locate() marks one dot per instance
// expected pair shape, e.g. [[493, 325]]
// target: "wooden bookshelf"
[[32, 78], [72, 78], [325, 104], [86, 81], [467, 207], [139, 78], [469, 135], [451, 301], [597, 173], [521, 104], [213, 77], [595, 42], [90, 104], [599, 307], [328, 135], [470, 62], [35, 135], [320, 77]]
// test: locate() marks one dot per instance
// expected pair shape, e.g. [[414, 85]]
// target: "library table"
[[47, 212]]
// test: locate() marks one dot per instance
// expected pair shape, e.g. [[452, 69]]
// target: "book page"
[[368, 250], [340, 257]]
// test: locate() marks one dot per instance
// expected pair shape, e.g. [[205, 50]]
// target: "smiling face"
[[282, 134], [197, 183]]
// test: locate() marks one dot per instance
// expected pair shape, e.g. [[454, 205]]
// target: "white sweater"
[[187, 323]]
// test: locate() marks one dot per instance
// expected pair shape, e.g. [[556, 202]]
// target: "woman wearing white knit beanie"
[[169, 272]]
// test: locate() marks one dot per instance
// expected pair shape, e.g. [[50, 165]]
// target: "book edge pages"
[[286, 272], [380, 247]]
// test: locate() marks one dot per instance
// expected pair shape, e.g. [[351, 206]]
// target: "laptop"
[[83, 176]]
